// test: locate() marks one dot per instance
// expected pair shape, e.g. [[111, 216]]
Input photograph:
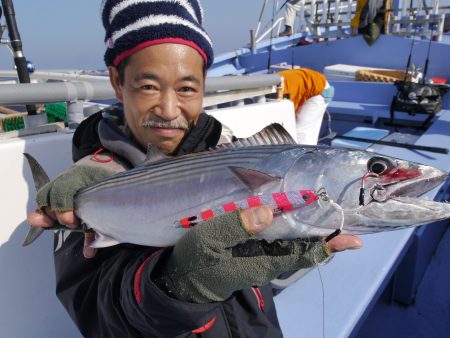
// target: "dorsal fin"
[[271, 135]]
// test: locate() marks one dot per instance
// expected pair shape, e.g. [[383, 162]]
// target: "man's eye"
[[187, 89], [148, 87]]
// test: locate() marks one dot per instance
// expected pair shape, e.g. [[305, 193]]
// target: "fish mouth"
[[395, 204], [398, 213], [427, 179]]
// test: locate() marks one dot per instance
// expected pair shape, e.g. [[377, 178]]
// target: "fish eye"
[[378, 165]]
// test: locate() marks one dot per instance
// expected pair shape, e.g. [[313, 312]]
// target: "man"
[[369, 19], [292, 7], [311, 93], [205, 286]]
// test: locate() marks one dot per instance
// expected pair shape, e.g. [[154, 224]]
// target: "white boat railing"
[[315, 18], [26, 93], [420, 21], [232, 91], [325, 19]]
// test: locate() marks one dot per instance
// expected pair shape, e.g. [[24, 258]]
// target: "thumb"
[[257, 219], [344, 242]]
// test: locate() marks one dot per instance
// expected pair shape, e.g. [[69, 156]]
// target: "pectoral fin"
[[254, 179], [103, 241]]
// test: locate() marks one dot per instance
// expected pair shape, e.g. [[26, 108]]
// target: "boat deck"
[[389, 263], [428, 316]]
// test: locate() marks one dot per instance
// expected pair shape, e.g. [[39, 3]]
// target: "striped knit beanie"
[[132, 25]]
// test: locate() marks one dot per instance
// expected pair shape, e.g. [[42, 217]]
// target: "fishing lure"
[[280, 201]]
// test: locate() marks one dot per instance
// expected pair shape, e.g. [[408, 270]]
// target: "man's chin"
[[166, 145]]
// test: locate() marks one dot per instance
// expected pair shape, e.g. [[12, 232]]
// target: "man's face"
[[162, 93]]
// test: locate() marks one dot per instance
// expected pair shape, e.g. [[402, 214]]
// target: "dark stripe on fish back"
[[194, 164], [274, 134]]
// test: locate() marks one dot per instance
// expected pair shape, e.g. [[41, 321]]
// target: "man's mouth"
[[166, 132], [162, 124]]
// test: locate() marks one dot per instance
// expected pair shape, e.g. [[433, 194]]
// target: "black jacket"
[[113, 295]]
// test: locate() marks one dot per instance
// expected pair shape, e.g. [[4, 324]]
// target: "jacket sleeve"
[[112, 295]]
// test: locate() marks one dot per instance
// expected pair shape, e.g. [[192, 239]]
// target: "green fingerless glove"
[[218, 257], [58, 194]]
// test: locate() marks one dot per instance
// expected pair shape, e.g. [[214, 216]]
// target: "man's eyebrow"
[[190, 78], [151, 76], [146, 76]]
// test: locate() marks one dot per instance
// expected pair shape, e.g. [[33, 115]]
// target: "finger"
[[229, 229], [257, 219], [68, 218], [50, 213], [39, 219], [344, 242], [89, 252]]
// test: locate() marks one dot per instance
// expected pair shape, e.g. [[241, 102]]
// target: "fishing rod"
[[269, 61], [437, 150], [16, 43], [408, 63], [425, 69]]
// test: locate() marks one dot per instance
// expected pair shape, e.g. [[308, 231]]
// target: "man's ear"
[[115, 82]]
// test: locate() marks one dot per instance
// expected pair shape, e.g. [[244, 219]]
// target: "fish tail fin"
[[40, 178]]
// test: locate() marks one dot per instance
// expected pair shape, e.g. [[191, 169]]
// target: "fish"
[[355, 192]]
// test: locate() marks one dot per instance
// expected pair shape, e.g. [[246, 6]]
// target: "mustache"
[[173, 124]]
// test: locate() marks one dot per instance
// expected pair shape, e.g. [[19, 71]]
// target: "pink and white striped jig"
[[280, 201]]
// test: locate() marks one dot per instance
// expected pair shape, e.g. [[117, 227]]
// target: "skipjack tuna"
[[353, 190]]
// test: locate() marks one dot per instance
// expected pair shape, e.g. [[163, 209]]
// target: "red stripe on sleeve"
[[208, 214], [282, 201], [205, 327], [229, 207], [254, 201], [138, 276]]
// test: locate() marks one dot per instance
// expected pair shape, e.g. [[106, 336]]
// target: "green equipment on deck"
[[10, 123], [56, 112]]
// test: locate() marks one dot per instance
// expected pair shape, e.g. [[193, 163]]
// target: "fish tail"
[[40, 178]]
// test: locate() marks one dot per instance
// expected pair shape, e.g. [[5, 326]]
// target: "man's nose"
[[168, 107]]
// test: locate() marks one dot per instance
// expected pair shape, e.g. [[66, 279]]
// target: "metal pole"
[[19, 58], [252, 41]]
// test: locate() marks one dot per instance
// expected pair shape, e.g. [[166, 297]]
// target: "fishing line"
[[323, 301], [322, 287], [324, 196]]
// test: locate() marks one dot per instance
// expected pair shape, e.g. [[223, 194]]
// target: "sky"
[[68, 34]]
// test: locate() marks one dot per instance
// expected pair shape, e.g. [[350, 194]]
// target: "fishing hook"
[[362, 190], [323, 194]]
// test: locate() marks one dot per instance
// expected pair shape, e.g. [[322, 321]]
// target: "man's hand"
[[220, 256], [55, 200], [258, 219]]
